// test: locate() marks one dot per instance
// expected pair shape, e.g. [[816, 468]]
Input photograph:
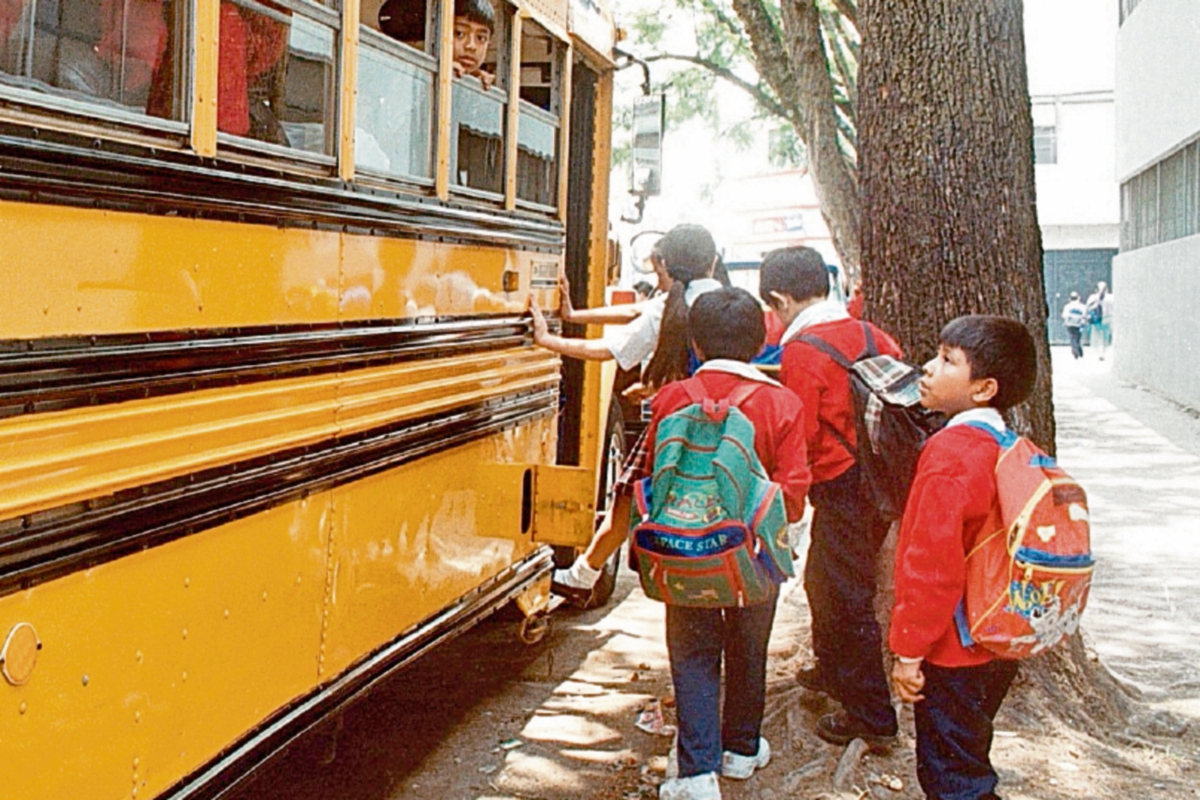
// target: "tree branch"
[[759, 95]]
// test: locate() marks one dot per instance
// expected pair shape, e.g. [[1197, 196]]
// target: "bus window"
[[396, 76], [116, 53], [537, 130], [276, 81], [479, 103]]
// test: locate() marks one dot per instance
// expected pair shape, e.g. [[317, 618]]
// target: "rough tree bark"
[[946, 170], [950, 227]]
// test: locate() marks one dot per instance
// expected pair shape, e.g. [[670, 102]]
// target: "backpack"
[[890, 423], [1074, 316], [1027, 583], [710, 528], [1095, 310]]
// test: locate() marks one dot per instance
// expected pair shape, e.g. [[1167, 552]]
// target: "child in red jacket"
[[984, 366], [726, 330], [847, 531]]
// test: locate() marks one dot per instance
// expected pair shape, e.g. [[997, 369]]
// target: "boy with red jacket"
[[984, 366], [847, 532], [726, 330]]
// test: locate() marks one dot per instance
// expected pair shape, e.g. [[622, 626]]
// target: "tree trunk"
[[946, 177], [950, 228]]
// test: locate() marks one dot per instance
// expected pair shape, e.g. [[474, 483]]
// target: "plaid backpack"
[[891, 425], [1028, 581], [709, 527]]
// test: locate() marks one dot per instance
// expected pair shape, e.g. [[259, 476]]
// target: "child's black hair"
[[481, 12], [727, 323], [999, 348], [644, 288], [688, 252], [798, 272]]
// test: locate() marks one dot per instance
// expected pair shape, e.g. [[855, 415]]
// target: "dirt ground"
[[487, 718]]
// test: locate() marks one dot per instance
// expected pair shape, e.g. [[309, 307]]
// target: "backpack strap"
[[1005, 438], [870, 349]]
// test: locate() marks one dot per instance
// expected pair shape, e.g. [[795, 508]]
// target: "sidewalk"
[[1138, 457]]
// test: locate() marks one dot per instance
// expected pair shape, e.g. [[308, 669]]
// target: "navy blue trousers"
[[696, 640], [954, 729], [839, 580]]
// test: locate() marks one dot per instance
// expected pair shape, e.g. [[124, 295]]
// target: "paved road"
[[1138, 456]]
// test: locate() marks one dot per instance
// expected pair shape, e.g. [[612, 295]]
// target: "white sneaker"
[[697, 787], [739, 767], [576, 581]]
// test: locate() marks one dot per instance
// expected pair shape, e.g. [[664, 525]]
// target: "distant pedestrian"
[[1075, 318], [1099, 311]]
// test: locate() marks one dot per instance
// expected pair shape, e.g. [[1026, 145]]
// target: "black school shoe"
[[841, 728]]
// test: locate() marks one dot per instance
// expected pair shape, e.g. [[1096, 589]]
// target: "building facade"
[[1156, 275], [1071, 84]]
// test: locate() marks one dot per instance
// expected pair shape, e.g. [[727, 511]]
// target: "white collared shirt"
[[817, 313], [988, 415], [739, 368]]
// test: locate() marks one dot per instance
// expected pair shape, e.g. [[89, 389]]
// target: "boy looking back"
[[839, 575], [727, 330], [984, 366]]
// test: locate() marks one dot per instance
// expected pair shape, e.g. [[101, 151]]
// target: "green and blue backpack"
[[709, 527]]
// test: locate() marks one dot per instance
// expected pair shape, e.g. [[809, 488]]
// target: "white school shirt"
[[635, 342]]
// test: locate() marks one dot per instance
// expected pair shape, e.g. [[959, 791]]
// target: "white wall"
[[1158, 82], [1155, 338], [1081, 188]]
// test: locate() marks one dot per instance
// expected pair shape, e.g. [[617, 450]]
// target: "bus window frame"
[[379, 40], [74, 112], [556, 122], [508, 26], [237, 147]]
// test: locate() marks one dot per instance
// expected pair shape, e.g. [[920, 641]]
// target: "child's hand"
[[638, 392], [908, 681], [486, 78], [540, 329]]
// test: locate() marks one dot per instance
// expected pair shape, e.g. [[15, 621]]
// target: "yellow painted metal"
[[118, 272], [535, 598], [399, 556], [348, 89], [154, 663], [206, 35], [514, 114], [564, 509], [50, 459], [551, 14], [445, 87]]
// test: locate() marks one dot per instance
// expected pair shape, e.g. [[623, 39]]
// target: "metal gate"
[[1067, 271]]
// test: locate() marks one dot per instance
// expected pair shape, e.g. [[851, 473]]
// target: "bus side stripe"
[[59, 541]]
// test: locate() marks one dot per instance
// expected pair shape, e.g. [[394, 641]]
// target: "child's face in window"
[[471, 40]]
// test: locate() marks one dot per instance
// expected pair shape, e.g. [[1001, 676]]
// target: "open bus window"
[[119, 53], [276, 75], [479, 104], [396, 80], [538, 127]]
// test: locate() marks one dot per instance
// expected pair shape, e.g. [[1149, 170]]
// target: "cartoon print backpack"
[[1027, 582], [709, 527], [891, 425]]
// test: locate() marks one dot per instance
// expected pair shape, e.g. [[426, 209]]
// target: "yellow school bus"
[[271, 420]]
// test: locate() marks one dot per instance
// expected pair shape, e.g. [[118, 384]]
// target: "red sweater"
[[778, 430], [951, 506], [824, 390]]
